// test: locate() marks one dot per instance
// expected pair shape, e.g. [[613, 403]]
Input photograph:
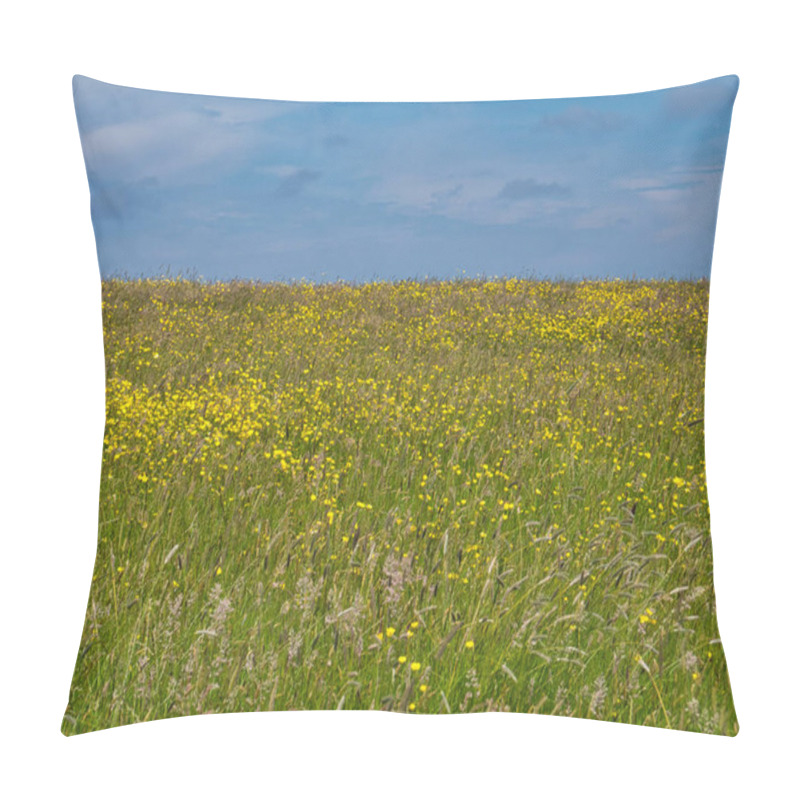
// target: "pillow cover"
[[404, 407]]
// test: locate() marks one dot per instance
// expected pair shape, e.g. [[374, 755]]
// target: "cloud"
[[669, 186], [128, 134], [673, 190], [582, 118], [166, 147], [603, 217], [467, 198], [419, 193], [246, 112], [448, 194], [692, 170], [657, 184], [529, 188], [293, 184]]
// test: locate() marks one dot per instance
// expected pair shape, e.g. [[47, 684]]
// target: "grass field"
[[429, 497]]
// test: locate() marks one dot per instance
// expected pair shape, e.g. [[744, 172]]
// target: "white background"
[[51, 385]]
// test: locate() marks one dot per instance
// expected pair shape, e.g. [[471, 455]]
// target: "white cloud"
[[475, 198], [636, 184], [172, 144], [605, 216]]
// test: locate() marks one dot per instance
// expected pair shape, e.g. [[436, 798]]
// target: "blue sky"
[[616, 186]]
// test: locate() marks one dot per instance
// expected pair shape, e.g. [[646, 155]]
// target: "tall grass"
[[431, 497]]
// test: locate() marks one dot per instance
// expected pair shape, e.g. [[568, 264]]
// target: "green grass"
[[333, 496]]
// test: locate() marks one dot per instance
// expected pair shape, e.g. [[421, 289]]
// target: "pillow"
[[404, 407]]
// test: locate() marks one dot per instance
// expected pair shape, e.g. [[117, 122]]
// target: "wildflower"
[[647, 617], [402, 660], [390, 631], [415, 666], [469, 645]]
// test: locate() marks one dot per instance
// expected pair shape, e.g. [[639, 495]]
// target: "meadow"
[[422, 496]]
